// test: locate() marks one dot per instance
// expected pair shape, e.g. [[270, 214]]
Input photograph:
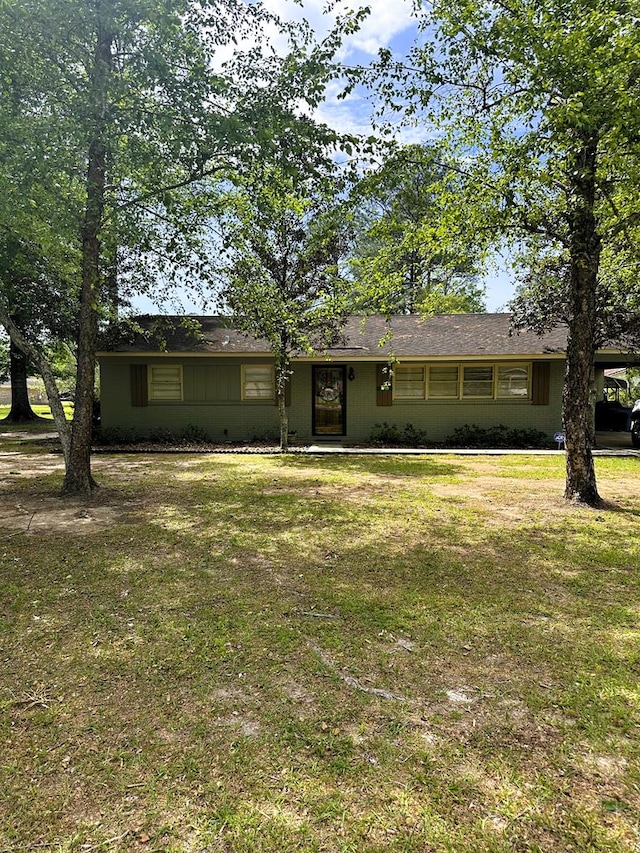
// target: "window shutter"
[[139, 387], [384, 393], [540, 371]]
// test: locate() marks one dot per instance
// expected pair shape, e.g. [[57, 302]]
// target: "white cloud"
[[385, 21]]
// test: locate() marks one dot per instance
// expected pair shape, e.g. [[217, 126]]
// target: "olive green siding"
[[212, 401]]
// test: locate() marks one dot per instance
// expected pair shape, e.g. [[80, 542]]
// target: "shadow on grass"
[[395, 466], [217, 667]]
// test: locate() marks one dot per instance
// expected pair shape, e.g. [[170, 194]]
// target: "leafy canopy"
[[407, 257]]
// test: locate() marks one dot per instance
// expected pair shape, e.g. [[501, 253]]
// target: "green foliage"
[[539, 106], [266, 436], [284, 236], [500, 436], [543, 297], [37, 286], [4, 361], [109, 139], [404, 260], [163, 436], [391, 435], [63, 364]]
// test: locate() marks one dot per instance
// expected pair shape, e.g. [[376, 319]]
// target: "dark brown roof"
[[448, 335]]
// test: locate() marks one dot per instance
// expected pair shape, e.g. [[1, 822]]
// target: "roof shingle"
[[408, 336]]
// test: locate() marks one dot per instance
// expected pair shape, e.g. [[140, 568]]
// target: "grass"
[[42, 411], [241, 653]]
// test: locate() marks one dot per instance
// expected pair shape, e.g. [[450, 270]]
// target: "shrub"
[[190, 434], [390, 435], [500, 436], [267, 436], [194, 434]]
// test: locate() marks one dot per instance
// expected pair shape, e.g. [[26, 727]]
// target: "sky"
[[390, 24]]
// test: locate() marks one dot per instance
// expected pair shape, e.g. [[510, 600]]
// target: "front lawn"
[[42, 410], [268, 653]]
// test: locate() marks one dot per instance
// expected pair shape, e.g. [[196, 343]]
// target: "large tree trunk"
[[21, 411], [78, 478], [585, 250], [32, 352]]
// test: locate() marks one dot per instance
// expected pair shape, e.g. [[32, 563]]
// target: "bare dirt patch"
[[21, 511]]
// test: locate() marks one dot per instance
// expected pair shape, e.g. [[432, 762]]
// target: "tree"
[[285, 236], [404, 261], [117, 107], [37, 296], [541, 102]]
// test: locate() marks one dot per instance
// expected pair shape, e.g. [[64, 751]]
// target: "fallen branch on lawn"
[[319, 615], [18, 532], [349, 680]]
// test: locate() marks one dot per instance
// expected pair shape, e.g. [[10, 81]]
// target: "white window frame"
[[243, 384], [410, 366], [153, 384], [495, 366], [518, 365], [451, 366]]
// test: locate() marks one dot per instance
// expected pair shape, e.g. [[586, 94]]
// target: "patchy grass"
[[234, 653]]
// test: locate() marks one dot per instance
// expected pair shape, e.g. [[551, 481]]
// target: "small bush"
[[390, 435], [106, 436], [194, 434], [500, 436], [190, 434], [267, 436]]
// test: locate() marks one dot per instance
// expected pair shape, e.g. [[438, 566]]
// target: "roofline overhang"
[[320, 357]]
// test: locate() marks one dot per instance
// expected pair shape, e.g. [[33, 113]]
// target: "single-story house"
[[436, 373]]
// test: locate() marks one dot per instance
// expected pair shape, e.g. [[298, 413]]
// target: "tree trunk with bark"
[[53, 395], [78, 478], [21, 411], [585, 248], [284, 421], [282, 377]]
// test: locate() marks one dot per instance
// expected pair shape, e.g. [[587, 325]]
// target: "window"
[[258, 382], [462, 381], [408, 382], [477, 381], [443, 381], [165, 383], [512, 381]]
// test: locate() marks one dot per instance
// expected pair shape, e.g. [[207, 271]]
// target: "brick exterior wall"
[[213, 403]]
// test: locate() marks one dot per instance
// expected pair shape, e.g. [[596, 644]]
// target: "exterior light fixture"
[[351, 375]]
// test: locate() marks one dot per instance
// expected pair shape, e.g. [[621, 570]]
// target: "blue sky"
[[391, 24]]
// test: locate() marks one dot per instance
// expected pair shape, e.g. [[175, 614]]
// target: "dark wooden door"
[[329, 400]]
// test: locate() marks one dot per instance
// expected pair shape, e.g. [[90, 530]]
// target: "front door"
[[329, 400]]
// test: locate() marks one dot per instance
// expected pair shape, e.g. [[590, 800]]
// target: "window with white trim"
[[165, 383], [462, 381], [513, 380], [477, 381], [258, 382], [408, 381]]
